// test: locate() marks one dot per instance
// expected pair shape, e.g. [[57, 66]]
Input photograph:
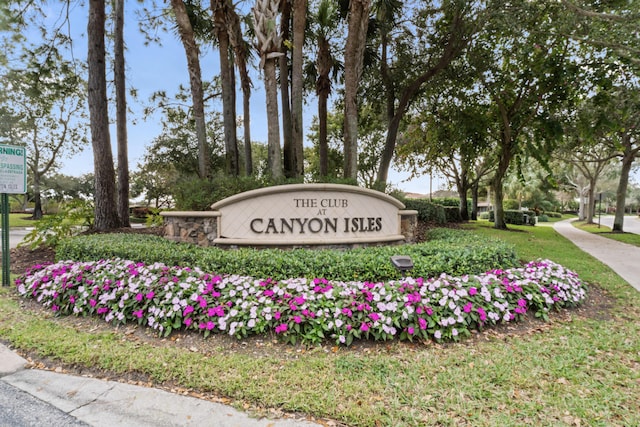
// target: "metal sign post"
[[5, 240], [13, 180]]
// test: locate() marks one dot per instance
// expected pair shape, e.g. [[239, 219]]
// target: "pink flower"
[[467, 308], [139, 297], [150, 295], [364, 327], [482, 313], [374, 316], [410, 330], [473, 291], [297, 319], [281, 328], [210, 325], [138, 313], [93, 302], [277, 315], [188, 309], [299, 300], [422, 323], [188, 321]]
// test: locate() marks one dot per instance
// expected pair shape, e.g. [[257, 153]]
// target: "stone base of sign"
[[201, 228]]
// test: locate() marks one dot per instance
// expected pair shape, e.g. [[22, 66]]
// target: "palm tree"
[[241, 57], [187, 36], [228, 86], [326, 21], [268, 44], [297, 83]]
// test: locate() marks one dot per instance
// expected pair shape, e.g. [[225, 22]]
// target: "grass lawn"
[[580, 369], [20, 220]]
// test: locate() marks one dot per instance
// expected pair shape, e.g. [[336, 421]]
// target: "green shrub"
[[452, 213], [516, 217], [543, 218], [553, 215], [454, 252], [427, 211]]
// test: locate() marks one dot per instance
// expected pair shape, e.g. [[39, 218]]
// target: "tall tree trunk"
[[106, 215], [591, 201], [297, 83], [37, 197], [474, 200], [283, 62], [463, 186], [192, 52], [323, 90], [274, 154], [241, 53], [121, 115], [621, 193], [353, 59], [228, 88], [505, 156]]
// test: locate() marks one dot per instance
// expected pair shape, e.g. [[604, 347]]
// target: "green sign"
[[13, 169]]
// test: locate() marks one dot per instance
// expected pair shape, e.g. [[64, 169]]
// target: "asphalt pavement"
[[631, 224], [34, 398]]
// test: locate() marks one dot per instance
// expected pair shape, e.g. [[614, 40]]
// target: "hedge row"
[[516, 217], [447, 251]]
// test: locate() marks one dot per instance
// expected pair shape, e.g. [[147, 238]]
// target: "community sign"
[[13, 169], [308, 214]]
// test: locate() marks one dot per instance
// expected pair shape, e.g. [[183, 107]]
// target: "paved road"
[[16, 235], [631, 224], [19, 408]]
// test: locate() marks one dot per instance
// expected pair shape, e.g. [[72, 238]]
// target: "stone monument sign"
[[302, 215]]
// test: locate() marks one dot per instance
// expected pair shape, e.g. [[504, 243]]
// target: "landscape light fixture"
[[402, 262]]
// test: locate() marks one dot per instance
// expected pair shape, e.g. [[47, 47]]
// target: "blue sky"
[[151, 68]]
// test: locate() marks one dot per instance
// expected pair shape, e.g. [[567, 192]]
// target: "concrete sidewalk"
[[622, 258], [108, 403]]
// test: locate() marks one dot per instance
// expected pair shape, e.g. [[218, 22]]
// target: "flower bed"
[[300, 310]]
